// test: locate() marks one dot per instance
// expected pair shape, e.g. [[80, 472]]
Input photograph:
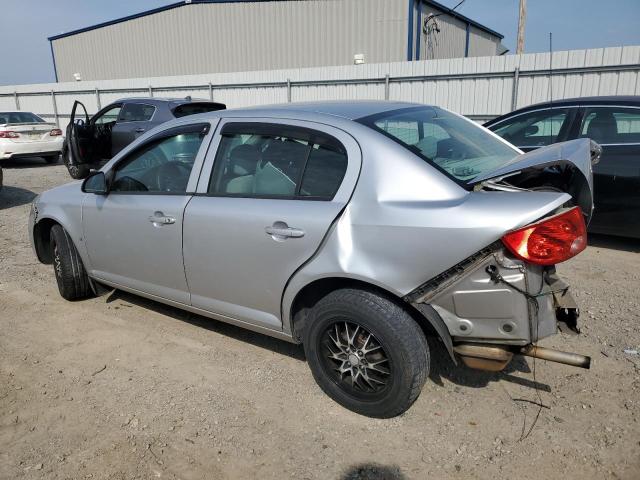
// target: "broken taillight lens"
[[551, 241]]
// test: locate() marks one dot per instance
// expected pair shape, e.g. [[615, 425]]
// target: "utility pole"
[[522, 19]]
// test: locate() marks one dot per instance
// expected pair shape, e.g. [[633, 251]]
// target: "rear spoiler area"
[[193, 108]]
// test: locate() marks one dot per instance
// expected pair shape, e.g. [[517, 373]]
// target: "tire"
[[77, 172], [52, 159], [73, 282], [380, 329]]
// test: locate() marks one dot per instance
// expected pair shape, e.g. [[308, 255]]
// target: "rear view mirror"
[[95, 183], [531, 130]]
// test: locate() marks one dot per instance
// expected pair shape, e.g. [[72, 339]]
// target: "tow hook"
[[495, 357]]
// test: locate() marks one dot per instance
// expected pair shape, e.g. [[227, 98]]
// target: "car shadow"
[[372, 471], [26, 162], [614, 243], [443, 368], [14, 196], [238, 333]]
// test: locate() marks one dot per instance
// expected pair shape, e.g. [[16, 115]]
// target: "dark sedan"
[[91, 141], [613, 122]]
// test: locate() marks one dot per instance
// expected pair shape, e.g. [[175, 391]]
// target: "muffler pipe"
[[573, 359]]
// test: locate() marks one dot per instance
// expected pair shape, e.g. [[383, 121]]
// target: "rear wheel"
[[52, 158], [366, 352], [73, 282]]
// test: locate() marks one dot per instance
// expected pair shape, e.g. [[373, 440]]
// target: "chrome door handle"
[[140, 130], [159, 218], [281, 230]]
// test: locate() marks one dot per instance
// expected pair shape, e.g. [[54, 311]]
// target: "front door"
[[133, 235], [271, 198], [79, 136]]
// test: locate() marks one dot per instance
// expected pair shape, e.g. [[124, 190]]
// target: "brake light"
[[8, 134], [56, 132], [551, 241]]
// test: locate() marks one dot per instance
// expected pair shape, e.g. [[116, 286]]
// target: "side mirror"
[[95, 183]]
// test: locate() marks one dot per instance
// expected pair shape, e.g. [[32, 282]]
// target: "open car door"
[[77, 152]]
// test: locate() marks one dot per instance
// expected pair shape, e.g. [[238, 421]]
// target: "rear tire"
[[358, 336], [72, 278], [52, 159]]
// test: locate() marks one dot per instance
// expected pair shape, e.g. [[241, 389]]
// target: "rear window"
[[194, 108], [456, 146], [19, 117]]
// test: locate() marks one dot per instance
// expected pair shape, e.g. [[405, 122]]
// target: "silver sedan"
[[355, 228]]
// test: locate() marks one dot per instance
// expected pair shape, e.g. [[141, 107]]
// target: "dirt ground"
[[118, 387]]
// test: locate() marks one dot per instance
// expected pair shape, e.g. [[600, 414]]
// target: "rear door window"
[[277, 161], [611, 125], [534, 129], [136, 112]]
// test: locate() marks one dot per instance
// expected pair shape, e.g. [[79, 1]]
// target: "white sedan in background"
[[24, 134]]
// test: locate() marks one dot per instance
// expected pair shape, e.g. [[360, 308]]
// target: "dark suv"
[[613, 122], [91, 141]]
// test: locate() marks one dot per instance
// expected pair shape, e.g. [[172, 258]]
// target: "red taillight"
[[551, 241], [8, 134], [56, 132]]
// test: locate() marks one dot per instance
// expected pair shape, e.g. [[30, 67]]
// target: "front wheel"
[[77, 172], [366, 352], [72, 278]]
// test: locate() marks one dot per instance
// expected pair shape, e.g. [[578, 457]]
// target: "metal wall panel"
[[480, 87], [235, 37]]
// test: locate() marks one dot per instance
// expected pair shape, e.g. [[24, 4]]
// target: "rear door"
[[267, 197], [135, 118], [616, 177]]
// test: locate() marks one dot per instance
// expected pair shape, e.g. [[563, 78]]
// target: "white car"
[[24, 134]]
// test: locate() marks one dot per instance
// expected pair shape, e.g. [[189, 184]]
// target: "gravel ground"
[[120, 387]]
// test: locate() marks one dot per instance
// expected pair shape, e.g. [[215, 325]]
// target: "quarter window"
[[608, 125], [535, 129], [272, 161], [160, 166], [136, 112]]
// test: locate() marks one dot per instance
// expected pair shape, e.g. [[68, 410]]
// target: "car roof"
[[349, 110], [624, 100], [153, 100]]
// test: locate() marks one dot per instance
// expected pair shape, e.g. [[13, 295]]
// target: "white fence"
[[481, 87]]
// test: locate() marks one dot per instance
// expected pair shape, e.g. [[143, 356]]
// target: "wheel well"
[[42, 239], [312, 293]]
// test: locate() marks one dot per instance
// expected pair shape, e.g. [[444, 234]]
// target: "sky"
[[575, 24]]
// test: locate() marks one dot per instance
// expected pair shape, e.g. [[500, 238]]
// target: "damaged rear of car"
[[527, 212]]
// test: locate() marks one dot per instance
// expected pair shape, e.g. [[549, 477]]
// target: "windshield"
[[455, 145], [19, 117]]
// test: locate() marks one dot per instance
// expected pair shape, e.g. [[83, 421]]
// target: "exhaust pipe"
[[495, 357], [573, 359]]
